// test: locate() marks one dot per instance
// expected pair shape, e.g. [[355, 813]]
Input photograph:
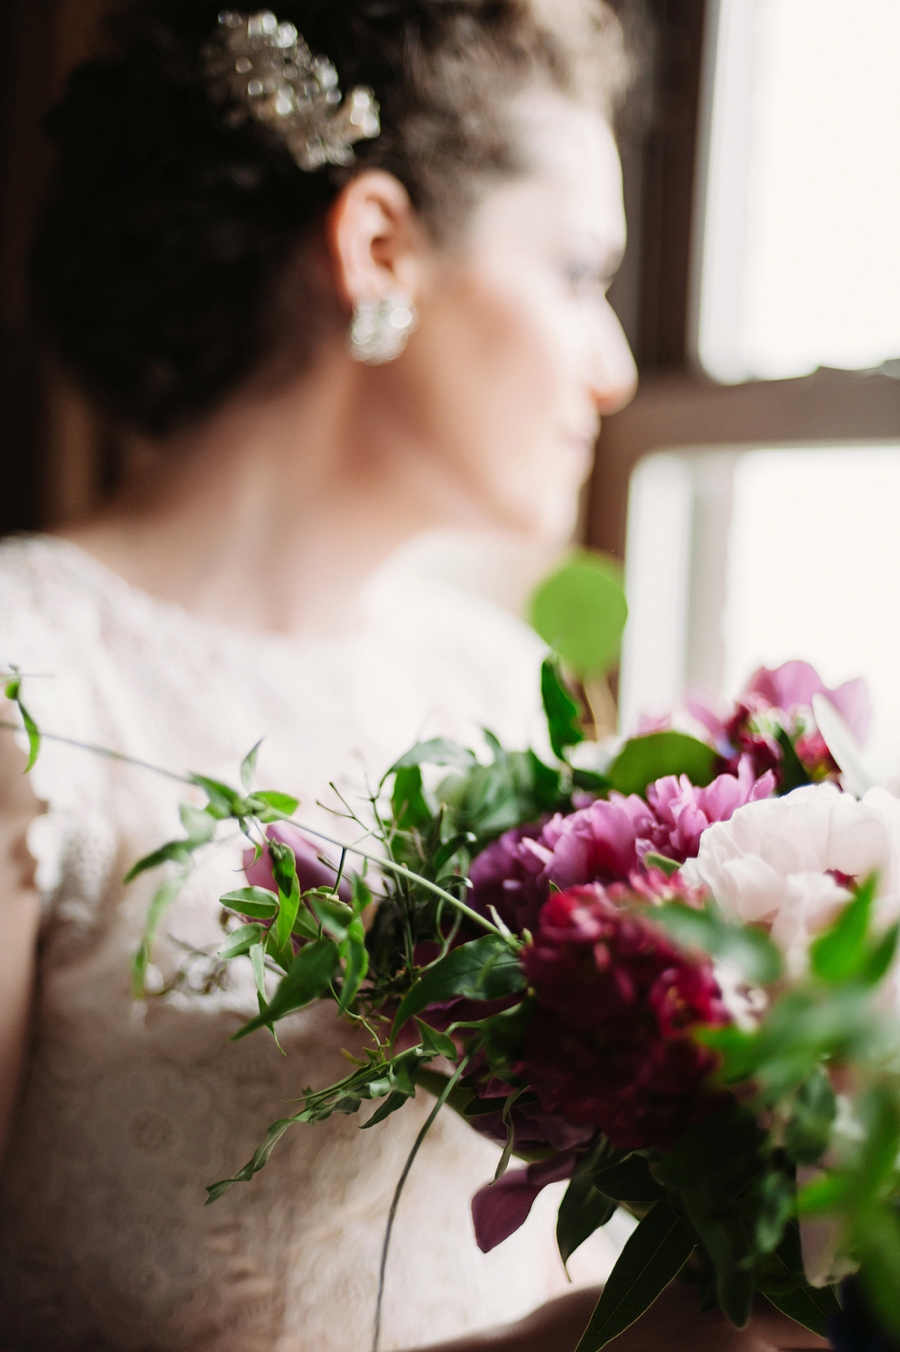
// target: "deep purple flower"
[[500, 1208], [506, 876], [609, 1045]]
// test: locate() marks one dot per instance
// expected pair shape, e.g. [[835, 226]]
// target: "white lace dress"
[[129, 1111]]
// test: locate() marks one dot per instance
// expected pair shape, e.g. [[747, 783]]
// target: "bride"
[[323, 330]]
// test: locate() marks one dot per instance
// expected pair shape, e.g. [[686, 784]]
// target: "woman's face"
[[518, 353]]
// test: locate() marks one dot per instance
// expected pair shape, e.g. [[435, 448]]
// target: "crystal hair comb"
[[267, 71]]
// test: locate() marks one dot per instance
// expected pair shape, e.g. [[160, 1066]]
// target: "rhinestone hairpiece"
[[265, 69]]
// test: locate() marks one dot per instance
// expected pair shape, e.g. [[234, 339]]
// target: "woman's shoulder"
[[42, 582]]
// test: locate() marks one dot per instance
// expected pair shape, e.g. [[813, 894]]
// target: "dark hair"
[[168, 233]]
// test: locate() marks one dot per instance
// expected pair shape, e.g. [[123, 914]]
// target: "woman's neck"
[[273, 514]]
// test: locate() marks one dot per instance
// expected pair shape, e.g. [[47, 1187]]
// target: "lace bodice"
[[128, 1110]]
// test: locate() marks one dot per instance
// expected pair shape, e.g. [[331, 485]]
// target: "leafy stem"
[[451, 1084]]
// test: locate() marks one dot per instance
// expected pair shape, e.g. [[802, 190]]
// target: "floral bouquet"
[[670, 980]]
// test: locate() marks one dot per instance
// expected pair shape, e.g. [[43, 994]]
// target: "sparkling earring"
[[381, 328]]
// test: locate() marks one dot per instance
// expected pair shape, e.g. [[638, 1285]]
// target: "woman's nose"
[[615, 375]]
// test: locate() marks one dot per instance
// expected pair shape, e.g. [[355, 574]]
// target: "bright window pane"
[[764, 556], [800, 264]]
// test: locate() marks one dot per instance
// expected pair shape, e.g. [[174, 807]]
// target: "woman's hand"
[[673, 1324]]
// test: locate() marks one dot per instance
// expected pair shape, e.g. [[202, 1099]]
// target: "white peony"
[[774, 862]]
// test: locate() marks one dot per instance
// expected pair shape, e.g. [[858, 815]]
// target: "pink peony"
[[683, 812], [787, 690], [609, 1044], [605, 842], [793, 685]]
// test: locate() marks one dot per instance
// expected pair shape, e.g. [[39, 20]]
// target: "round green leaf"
[[646, 759], [580, 612]]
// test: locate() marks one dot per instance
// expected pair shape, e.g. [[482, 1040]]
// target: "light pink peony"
[[782, 862]]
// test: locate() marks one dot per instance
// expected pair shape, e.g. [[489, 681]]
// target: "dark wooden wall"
[[48, 437]]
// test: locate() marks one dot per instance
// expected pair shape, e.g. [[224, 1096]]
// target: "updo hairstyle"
[[169, 237]]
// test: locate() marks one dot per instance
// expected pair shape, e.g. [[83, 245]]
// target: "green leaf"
[[645, 759], [808, 1131], [284, 871], [334, 915], [807, 1305], [361, 893], [629, 1180], [240, 941], [257, 902], [308, 978], [248, 767], [437, 752], [486, 969], [259, 1160], [583, 1209], [391, 1104], [747, 947], [199, 825], [356, 967], [654, 1255], [881, 958], [14, 694], [162, 900], [175, 852], [792, 776], [408, 801], [839, 954], [660, 861], [564, 714], [224, 802], [580, 612], [460, 841], [281, 802], [257, 957], [436, 1043]]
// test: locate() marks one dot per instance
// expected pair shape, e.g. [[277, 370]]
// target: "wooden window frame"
[[677, 405]]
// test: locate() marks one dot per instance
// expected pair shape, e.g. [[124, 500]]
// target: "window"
[[800, 186], [742, 557]]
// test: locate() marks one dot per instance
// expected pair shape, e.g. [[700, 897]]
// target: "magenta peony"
[[609, 1044], [605, 842]]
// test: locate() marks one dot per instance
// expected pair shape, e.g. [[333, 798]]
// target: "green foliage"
[[580, 612], [248, 767], [308, 977], [393, 1079], [411, 808], [14, 695], [748, 948], [654, 1255], [437, 752], [646, 759], [486, 969], [713, 1170], [163, 898], [583, 1210], [257, 902], [792, 776], [842, 953], [564, 714]]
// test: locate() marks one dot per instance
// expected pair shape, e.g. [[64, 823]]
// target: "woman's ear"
[[375, 240]]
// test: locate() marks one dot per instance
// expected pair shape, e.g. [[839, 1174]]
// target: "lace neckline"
[[158, 611]]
